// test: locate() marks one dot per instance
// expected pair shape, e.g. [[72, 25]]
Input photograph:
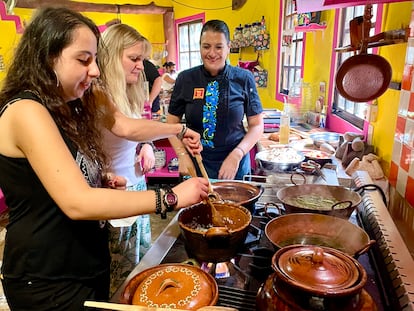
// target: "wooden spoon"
[[217, 218], [124, 307]]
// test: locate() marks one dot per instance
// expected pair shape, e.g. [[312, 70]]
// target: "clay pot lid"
[[317, 269], [179, 286]]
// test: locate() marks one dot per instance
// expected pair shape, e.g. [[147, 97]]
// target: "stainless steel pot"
[[279, 160]]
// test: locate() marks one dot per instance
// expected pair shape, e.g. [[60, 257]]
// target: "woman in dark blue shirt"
[[215, 98]]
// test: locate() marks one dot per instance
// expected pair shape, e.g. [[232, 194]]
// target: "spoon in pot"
[[217, 218]]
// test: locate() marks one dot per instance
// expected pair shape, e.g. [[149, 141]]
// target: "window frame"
[[284, 79], [187, 21], [339, 120]]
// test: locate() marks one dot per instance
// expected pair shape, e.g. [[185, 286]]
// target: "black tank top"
[[41, 241]]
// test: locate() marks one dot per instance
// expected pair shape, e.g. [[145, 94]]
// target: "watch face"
[[171, 198]]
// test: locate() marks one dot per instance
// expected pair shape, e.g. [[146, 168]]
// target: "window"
[[292, 49], [350, 111], [189, 44]]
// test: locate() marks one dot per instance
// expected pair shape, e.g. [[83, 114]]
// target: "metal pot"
[[214, 244], [314, 278], [180, 286], [319, 230], [238, 192], [279, 160], [347, 199]]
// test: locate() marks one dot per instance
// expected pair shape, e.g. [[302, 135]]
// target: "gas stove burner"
[[227, 273]]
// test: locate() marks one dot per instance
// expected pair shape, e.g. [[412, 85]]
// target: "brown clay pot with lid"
[[177, 286], [309, 277]]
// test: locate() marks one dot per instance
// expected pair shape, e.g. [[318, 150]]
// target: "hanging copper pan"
[[363, 77]]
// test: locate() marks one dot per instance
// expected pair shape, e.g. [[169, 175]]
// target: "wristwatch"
[[170, 199]]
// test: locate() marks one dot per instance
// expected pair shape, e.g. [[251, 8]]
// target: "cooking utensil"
[[217, 218], [331, 138], [238, 192], [320, 230], [279, 160], [124, 307], [314, 278], [363, 77], [175, 285], [214, 244], [347, 199], [350, 199]]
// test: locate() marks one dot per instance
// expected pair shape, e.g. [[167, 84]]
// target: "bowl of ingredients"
[[283, 159]]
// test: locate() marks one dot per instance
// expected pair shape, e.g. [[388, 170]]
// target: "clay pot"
[[214, 244], [178, 286], [314, 278]]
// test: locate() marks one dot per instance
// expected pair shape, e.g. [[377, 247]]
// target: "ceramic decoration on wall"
[[402, 164]]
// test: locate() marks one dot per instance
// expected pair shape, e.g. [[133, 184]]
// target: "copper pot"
[[347, 199], [318, 230], [178, 286], [314, 278], [238, 192], [214, 244]]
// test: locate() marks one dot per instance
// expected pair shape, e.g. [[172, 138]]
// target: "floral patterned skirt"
[[128, 245]]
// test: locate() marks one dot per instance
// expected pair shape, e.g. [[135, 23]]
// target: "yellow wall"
[[318, 48]]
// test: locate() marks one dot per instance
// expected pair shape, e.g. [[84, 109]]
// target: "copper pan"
[[363, 77], [320, 230]]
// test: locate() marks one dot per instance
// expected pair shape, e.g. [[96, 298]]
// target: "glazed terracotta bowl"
[[207, 243], [178, 286]]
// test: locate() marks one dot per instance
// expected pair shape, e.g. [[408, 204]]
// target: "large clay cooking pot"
[[214, 244], [314, 278], [178, 286], [318, 230]]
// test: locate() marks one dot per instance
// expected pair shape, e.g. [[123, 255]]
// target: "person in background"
[[215, 97], [122, 74], [56, 252], [154, 82], [168, 77]]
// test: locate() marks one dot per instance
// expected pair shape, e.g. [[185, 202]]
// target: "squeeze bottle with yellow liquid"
[[284, 128]]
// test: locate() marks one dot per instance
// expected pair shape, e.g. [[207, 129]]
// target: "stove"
[[388, 263]]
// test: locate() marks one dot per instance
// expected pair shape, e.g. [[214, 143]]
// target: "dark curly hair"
[[49, 32]]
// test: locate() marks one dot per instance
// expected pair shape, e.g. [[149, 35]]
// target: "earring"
[[57, 79]]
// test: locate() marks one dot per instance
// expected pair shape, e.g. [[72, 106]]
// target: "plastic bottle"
[[284, 128]]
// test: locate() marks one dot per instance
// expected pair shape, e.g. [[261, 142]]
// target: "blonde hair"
[[129, 98]]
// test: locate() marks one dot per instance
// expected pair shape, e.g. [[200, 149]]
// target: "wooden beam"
[[96, 7]]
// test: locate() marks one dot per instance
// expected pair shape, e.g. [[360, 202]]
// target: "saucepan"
[[237, 192], [320, 230], [363, 77], [331, 200]]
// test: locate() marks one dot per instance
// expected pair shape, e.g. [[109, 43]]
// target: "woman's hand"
[[110, 180], [191, 141], [146, 158], [191, 191], [230, 165]]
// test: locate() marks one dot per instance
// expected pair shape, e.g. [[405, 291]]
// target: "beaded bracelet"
[[180, 135], [158, 208]]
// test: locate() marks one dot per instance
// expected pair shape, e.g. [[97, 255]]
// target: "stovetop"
[[247, 271]]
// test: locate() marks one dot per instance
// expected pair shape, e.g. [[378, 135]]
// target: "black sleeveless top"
[[41, 241]]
